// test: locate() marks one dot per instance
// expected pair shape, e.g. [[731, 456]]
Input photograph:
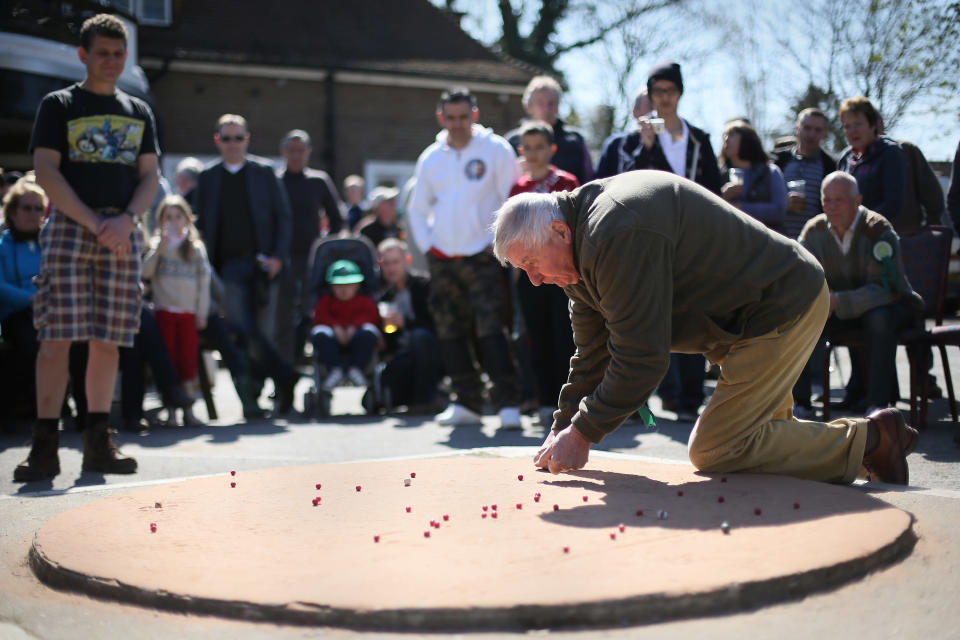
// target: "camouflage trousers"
[[470, 304]]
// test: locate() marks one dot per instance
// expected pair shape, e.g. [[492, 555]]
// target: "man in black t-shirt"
[[95, 153]]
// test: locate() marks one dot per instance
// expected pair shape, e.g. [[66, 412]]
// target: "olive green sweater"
[[665, 266], [857, 277]]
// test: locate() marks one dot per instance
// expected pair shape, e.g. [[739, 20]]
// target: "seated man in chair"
[[869, 293]]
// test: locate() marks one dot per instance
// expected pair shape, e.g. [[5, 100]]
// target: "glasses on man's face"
[[669, 91], [232, 138], [33, 208]]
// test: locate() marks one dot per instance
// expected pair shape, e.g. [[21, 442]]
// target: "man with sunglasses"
[[95, 154], [244, 217]]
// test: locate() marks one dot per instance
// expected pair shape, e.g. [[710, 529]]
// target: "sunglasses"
[[36, 208], [232, 138]]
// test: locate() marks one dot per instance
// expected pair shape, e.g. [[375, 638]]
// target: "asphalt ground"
[[911, 599]]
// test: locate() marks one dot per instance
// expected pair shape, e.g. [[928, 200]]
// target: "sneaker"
[[456, 414], [356, 377], [334, 378], [510, 418]]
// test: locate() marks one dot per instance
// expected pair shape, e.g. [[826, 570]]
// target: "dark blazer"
[[268, 205]]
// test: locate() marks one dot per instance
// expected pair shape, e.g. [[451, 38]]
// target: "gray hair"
[[295, 134], [844, 177], [189, 165], [540, 83], [524, 218]]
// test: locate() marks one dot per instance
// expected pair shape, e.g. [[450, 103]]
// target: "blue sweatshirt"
[[19, 263]]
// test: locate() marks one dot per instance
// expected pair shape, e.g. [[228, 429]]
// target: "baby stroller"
[[324, 253]]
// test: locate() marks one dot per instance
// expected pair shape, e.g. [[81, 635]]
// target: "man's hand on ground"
[[565, 450]]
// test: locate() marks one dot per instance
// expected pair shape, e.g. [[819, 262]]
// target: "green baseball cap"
[[344, 272]]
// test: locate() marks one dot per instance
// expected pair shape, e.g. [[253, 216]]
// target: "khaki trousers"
[[748, 424]]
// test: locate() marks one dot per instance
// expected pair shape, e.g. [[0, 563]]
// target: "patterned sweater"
[[178, 285]]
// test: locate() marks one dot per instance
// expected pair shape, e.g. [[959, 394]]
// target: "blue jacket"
[[881, 176], [19, 262]]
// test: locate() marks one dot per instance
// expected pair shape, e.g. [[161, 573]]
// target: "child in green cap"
[[346, 328]]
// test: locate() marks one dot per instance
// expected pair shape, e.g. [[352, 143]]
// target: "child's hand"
[[201, 323], [394, 319], [166, 234]]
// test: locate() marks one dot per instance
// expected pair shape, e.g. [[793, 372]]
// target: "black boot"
[[100, 453], [283, 404], [248, 390], [43, 461]]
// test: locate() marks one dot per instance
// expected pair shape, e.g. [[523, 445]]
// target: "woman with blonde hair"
[[179, 275]]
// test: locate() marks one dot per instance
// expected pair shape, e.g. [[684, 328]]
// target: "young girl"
[[179, 272]]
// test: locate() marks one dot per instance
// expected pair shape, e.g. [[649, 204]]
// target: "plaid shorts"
[[84, 291]]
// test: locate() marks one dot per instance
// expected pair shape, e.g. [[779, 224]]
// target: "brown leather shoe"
[[888, 461]]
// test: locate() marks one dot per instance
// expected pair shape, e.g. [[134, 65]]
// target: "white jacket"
[[458, 190]]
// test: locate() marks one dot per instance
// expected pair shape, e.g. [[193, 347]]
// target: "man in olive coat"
[[655, 264]]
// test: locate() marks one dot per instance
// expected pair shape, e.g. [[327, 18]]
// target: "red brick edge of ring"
[[634, 610]]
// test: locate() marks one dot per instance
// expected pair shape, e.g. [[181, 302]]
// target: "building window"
[[124, 5], [154, 12], [150, 12]]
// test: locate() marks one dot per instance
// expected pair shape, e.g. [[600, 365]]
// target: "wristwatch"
[[133, 216]]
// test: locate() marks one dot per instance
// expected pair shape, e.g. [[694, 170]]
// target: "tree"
[[827, 102], [540, 44], [901, 54], [614, 35]]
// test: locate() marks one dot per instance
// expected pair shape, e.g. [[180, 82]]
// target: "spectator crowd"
[[105, 269]]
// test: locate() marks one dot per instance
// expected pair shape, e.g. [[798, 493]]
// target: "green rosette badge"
[[647, 416], [883, 253]]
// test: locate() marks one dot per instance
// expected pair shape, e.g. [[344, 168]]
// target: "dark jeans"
[[291, 311], [551, 336], [244, 283], [879, 329], [230, 341], [683, 383], [148, 349], [329, 353], [415, 369], [19, 333]]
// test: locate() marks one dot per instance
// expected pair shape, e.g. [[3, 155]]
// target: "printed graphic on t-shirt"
[[105, 138], [475, 169]]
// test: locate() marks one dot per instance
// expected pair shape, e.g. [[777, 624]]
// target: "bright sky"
[[711, 95]]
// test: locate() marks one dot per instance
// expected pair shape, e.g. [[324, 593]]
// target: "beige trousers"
[[748, 424]]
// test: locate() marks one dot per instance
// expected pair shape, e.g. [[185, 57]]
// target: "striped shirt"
[[810, 170]]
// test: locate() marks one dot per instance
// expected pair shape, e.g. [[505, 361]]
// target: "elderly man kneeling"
[[655, 264]]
